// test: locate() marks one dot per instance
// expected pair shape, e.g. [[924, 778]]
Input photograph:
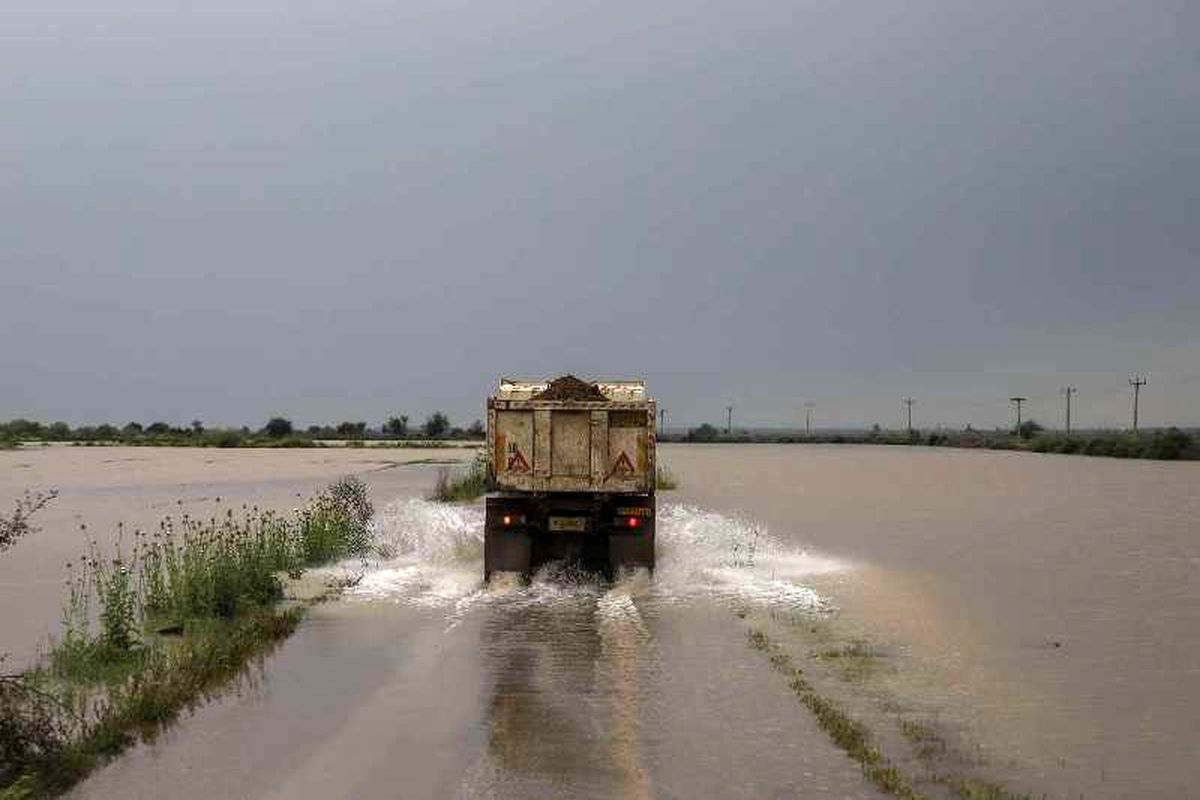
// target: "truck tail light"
[[630, 520]]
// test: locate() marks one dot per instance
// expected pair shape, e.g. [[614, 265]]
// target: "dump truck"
[[571, 475]]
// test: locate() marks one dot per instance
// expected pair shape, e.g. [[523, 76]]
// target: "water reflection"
[[569, 679]]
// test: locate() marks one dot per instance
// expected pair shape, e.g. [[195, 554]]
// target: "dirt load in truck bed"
[[568, 387]]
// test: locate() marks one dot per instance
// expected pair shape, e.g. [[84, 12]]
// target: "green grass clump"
[[856, 740], [462, 487], [171, 677], [195, 569], [856, 661], [845, 732], [664, 479], [926, 742]]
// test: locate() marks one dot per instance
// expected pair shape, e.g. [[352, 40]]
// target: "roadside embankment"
[[153, 628]]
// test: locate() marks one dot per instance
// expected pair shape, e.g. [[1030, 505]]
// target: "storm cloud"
[[232, 210]]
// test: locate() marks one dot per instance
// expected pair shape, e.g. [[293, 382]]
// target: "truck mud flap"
[[631, 550], [506, 551]]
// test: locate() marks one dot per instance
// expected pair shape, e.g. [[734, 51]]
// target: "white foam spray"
[[431, 556]]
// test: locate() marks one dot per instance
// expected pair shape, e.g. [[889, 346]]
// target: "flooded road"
[[422, 682], [1044, 609]]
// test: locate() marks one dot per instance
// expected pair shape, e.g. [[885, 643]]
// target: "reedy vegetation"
[[17, 524], [665, 480], [462, 487], [151, 632]]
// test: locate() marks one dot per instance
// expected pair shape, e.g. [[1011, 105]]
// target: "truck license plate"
[[578, 524]]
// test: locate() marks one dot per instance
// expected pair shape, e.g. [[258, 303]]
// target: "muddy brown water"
[[1046, 607]]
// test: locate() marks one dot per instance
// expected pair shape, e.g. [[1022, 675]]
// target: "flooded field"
[[1042, 610]]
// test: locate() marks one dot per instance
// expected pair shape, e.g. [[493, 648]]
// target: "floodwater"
[[1046, 607]]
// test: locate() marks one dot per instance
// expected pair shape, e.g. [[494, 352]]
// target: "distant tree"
[[107, 432], [133, 429], [352, 429], [158, 428], [314, 430], [396, 426], [59, 431], [278, 427], [197, 426], [437, 425], [1029, 427], [26, 429], [476, 430], [705, 433]]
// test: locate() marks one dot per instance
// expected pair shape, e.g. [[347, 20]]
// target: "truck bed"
[[595, 445]]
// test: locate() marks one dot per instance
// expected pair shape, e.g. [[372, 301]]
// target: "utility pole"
[[908, 401], [1018, 401], [808, 407], [662, 421], [1069, 391], [1137, 383], [728, 420]]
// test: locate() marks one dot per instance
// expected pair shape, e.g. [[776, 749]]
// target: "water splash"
[[430, 555], [433, 552], [703, 553]]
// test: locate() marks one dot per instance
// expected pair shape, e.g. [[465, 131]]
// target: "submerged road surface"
[[422, 682]]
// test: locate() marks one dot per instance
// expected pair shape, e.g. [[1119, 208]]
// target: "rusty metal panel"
[[570, 444], [599, 447], [489, 446], [541, 446], [626, 457], [651, 447], [513, 452]]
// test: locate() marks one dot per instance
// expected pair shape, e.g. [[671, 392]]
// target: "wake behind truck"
[[571, 475]]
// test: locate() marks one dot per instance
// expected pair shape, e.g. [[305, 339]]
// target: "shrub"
[[17, 525], [278, 427], [437, 425], [352, 429], [1028, 428], [463, 487], [1169, 444], [664, 479]]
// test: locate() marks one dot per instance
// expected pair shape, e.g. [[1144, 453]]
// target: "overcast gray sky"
[[234, 209]]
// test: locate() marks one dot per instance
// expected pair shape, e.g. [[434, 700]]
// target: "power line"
[[728, 420]]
